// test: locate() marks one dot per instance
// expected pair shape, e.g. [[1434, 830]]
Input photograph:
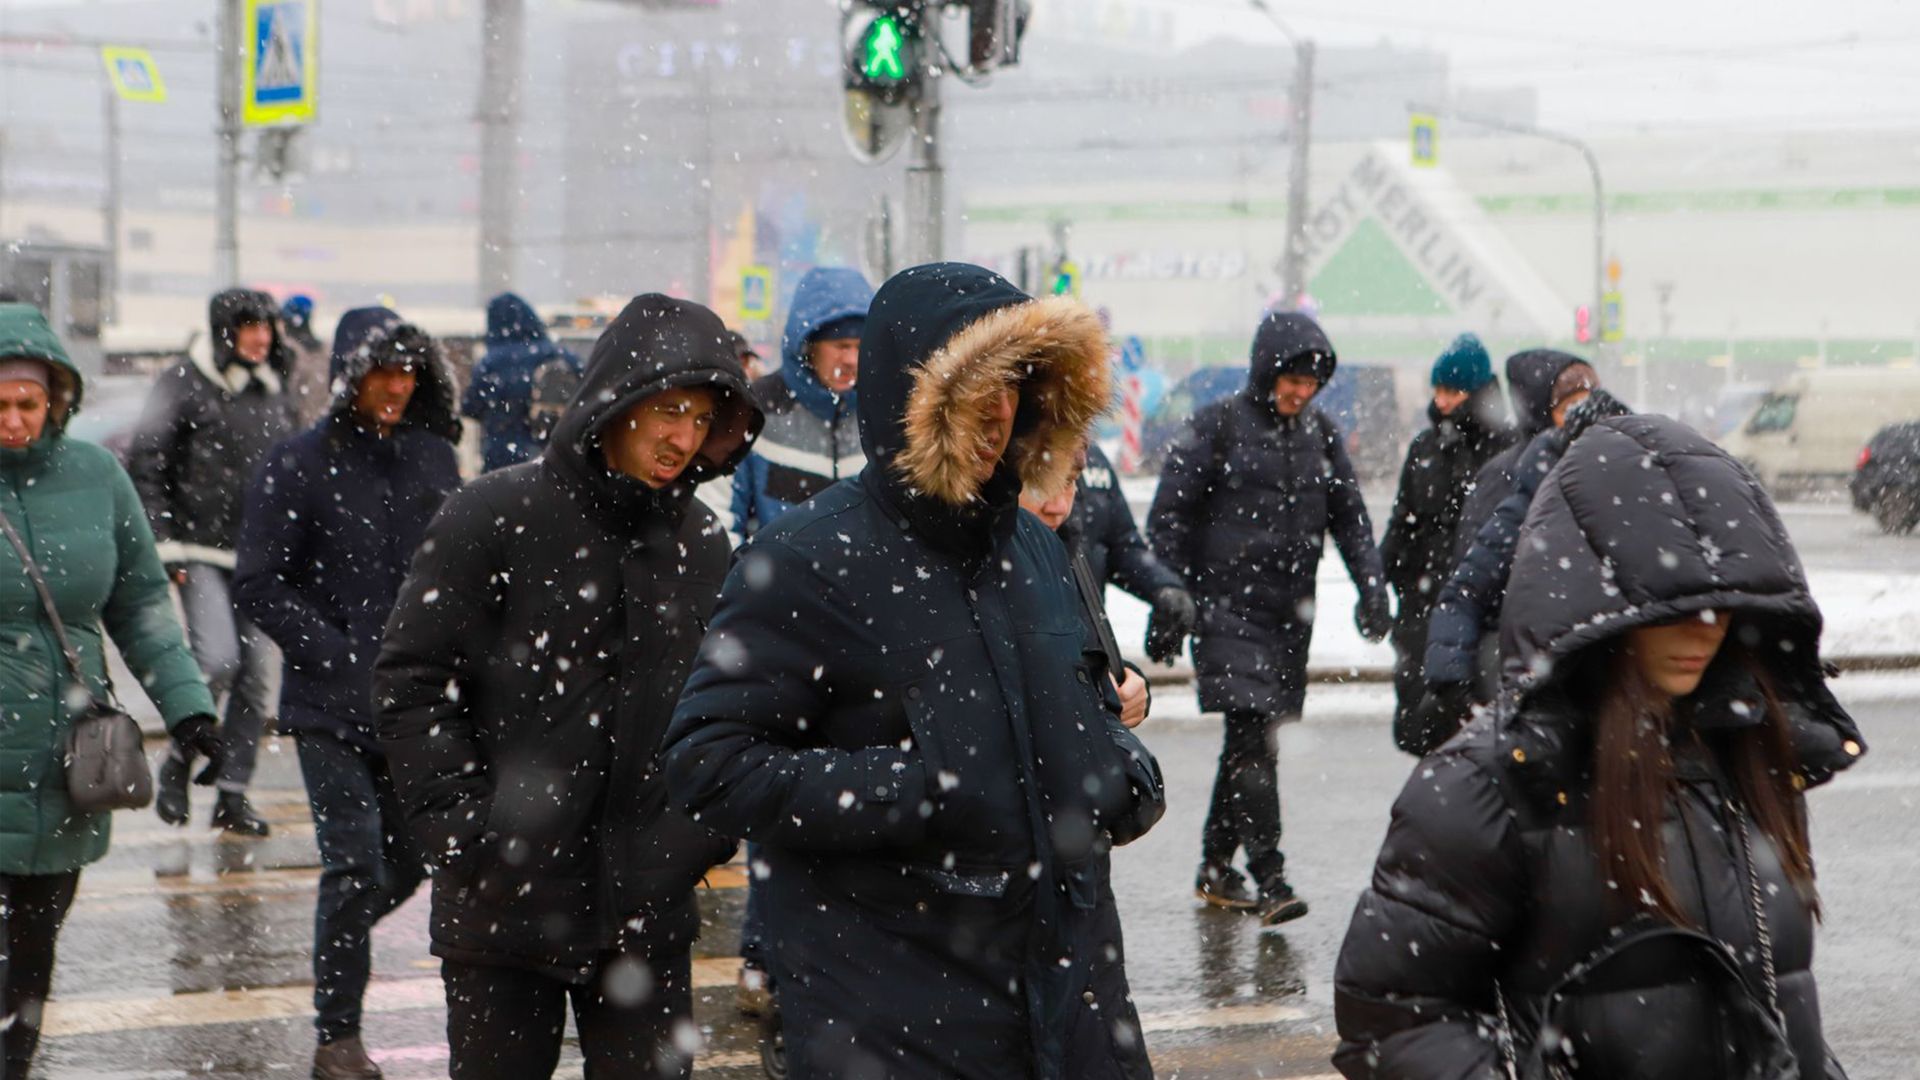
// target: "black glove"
[[1444, 710], [200, 735], [1172, 620], [1372, 615]]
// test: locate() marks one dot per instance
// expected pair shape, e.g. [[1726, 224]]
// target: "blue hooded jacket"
[[501, 390], [812, 436]]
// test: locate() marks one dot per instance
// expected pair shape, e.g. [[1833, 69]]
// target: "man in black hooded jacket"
[[527, 676], [1250, 491], [209, 422], [900, 700]]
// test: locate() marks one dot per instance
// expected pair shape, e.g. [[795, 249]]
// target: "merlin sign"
[[1393, 241]]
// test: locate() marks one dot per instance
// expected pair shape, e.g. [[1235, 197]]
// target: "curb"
[[1182, 675]]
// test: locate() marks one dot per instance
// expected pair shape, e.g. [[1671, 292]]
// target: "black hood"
[[940, 339], [371, 336], [232, 307], [1287, 343], [656, 343], [1530, 376], [1642, 522]]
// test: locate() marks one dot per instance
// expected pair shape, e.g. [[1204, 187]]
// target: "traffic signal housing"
[[883, 50]]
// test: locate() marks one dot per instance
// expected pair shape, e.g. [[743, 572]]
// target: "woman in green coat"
[[76, 511]]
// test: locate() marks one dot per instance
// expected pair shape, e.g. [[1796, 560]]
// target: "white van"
[[1808, 430]]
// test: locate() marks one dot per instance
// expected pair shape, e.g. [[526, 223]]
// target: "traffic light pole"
[[926, 177], [1293, 269], [503, 29], [226, 190]]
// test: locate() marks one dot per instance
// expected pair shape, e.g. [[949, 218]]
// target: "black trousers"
[[1409, 639], [1245, 811], [634, 1018], [32, 909]]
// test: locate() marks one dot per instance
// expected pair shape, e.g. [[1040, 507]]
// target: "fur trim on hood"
[[1054, 350]]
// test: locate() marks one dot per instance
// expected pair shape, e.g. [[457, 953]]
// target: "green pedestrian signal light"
[[884, 52]]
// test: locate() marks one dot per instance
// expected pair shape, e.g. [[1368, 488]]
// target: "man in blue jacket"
[[331, 526], [500, 394], [812, 437]]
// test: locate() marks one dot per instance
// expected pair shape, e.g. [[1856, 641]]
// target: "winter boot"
[[344, 1059], [753, 994], [170, 793], [1223, 887], [1278, 904], [233, 813]]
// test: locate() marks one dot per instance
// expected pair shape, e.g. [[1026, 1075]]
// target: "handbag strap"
[[1762, 930], [46, 602]]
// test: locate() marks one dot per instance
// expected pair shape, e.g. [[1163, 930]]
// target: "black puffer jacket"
[[1102, 528], [899, 702], [208, 424], [1530, 377], [1243, 510], [1434, 483], [532, 662], [1488, 876], [332, 521]]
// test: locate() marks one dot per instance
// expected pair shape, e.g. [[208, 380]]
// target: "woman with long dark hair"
[[1609, 873]]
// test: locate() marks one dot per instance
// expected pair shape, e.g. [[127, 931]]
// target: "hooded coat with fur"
[[532, 661], [1488, 882], [900, 702], [1242, 513], [332, 521], [209, 422]]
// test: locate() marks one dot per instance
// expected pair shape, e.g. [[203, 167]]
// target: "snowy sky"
[[1619, 64]]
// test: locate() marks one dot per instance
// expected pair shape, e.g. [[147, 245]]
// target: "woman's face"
[[1673, 657], [23, 413]]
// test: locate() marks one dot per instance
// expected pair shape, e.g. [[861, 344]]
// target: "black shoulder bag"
[[106, 764]]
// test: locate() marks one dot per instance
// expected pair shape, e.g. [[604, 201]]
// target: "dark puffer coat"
[[899, 701], [1470, 602], [1530, 377], [533, 660], [209, 422], [332, 522], [1488, 878], [1102, 528], [1243, 510], [1441, 465]]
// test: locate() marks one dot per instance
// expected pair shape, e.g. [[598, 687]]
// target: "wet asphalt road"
[[188, 956]]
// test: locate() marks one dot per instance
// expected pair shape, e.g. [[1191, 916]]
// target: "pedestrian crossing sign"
[[756, 294], [133, 74], [1423, 132], [280, 78]]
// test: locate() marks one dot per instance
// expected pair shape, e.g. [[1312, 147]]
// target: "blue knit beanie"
[[1464, 365]]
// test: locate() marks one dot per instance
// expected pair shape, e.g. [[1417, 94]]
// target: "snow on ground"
[[1869, 614]]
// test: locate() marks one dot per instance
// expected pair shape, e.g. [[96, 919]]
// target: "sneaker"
[[753, 994], [344, 1059], [1278, 904], [170, 792], [1223, 887], [234, 814]]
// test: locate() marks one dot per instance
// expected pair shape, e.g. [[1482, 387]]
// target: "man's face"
[[655, 440], [837, 362], [251, 340], [998, 432], [1447, 399], [1566, 405], [23, 413], [1291, 393], [381, 401]]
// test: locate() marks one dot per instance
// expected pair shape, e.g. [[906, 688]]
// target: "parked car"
[[1886, 479], [1808, 430], [1361, 401]]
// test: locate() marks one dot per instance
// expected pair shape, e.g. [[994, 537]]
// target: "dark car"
[[1886, 479], [1360, 400]]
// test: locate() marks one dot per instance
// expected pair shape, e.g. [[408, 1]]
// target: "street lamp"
[[1293, 270]]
